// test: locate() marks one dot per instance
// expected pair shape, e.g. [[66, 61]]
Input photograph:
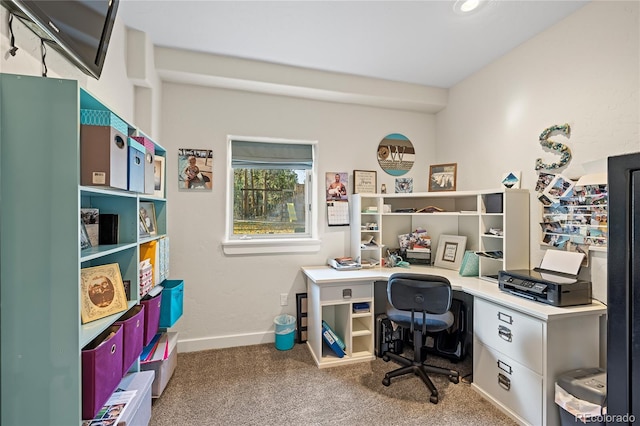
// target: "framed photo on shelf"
[[158, 176], [365, 181], [102, 292], [148, 217], [450, 251], [442, 177]]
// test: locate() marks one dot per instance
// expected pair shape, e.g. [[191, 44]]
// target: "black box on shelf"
[[493, 203], [108, 228]]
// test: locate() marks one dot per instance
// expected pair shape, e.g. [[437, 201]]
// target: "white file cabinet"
[[517, 357]]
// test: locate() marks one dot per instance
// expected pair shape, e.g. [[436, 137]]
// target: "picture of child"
[[195, 168]]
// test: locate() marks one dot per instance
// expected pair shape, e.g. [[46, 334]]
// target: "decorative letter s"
[[563, 150]]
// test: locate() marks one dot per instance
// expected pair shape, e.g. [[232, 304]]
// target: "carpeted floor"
[[259, 385]]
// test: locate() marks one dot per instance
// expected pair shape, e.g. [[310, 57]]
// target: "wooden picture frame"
[[365, 181], [102, 292], [442, 177], [450, 251], [158, 176], [148, 217]]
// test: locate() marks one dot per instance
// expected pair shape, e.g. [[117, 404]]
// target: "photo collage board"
[[574, 217]]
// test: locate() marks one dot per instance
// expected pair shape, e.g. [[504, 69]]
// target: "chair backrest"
[[419, 292]]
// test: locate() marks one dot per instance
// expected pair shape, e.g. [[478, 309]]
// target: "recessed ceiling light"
[[463, 7]]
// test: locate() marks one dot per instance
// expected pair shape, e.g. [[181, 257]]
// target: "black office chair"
[[421, 303]]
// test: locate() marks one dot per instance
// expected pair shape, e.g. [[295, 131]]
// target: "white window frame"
[[233, 245]]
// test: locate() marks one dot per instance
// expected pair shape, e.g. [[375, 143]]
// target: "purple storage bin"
[[151, 317], [101, 370], [132, 324]]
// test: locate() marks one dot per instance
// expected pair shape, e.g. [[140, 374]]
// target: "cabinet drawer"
[[512, 333], [346, 292], [514, 386]]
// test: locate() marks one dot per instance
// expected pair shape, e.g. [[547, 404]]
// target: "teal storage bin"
[[285, 331], [172, 301]]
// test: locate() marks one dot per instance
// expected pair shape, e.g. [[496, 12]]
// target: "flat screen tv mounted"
[[79, 29]]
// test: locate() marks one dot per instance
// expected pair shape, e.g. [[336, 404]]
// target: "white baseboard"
[[219, 342]]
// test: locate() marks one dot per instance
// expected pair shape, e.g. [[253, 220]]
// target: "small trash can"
[[285, 331], [581, 396]]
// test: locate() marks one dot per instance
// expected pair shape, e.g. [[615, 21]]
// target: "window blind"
[[264, 155]]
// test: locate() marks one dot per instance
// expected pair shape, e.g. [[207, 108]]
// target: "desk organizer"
[[132, 323], [135, 169], [151, 317], [149, 154], [101, 370], [103, 149], [172, 300]]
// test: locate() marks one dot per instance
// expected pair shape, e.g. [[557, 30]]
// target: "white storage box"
[[138, 411], [164, 368]]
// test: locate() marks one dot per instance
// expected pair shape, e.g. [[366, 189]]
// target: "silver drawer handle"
[[504, 381], [505, 367], [505, 318], [346, 293], [505, 333]]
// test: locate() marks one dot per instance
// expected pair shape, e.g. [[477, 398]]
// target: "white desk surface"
[[325, 275]]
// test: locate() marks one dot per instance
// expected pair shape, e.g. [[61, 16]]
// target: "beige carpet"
[[259, 385]]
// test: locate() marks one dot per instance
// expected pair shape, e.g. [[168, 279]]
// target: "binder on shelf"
[[332, 340], [328, 338], [108, 228]]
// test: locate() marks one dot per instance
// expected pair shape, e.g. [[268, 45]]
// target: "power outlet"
[[284, 299]]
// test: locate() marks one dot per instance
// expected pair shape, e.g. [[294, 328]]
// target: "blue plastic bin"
[[285, 331], [172, 301]]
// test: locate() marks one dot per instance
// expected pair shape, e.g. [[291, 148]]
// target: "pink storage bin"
[[132, 323], [151, 317], [101, 370]]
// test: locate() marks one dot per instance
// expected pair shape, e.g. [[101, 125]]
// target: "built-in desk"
[[519, 346]]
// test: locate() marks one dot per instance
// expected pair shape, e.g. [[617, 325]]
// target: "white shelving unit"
[[42, 334], [468, 213], [333, 303]]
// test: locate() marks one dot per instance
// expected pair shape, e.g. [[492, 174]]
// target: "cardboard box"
[[163, 369], [103, 149], [138, 412]]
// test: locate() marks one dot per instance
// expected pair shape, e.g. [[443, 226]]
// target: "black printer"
[[550, 287]]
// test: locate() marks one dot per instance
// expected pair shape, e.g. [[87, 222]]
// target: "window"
[[271, 196]]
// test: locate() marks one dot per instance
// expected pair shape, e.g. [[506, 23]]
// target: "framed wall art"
[[102, 292], [365, 181], [442, 177], [195, 169], [450, 251], [396, 154]]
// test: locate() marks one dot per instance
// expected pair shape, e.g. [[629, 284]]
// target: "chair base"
[[417, 367]]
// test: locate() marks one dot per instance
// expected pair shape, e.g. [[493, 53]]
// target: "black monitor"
[[79, 29]]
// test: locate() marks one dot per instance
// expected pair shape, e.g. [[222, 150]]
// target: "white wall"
[[583, 71], [234, 299]]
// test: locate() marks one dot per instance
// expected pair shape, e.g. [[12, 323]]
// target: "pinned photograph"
[[195, 169]]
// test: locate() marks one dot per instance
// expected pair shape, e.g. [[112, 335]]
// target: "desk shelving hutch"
[[468, 213], [42, 335]]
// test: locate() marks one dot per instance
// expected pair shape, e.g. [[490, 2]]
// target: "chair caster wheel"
[[385, 358], [387, 382], [454, 379], [433, 399]]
